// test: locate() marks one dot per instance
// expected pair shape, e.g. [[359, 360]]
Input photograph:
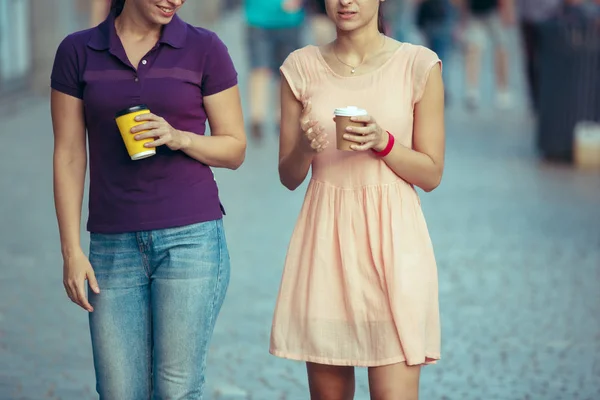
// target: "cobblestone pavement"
[[517, 243]]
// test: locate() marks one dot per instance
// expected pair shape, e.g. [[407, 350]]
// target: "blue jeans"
[[160, 294]]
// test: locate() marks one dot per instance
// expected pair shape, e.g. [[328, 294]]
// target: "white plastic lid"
[[350, 111]]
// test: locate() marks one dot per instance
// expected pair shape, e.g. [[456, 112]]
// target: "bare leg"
[[277, 105], [472, 70], [259, 92], [394, 382], [503, 97], [501, 58], [328, 382]]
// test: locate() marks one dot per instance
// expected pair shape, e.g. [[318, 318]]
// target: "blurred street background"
[[515, 223]]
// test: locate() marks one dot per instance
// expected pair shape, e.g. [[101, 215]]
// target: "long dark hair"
[[117, 6], [380, 19]]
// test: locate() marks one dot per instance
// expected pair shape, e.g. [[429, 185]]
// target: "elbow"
[[237, 162], [289, 185], [287, 181], [238, 157], [67, 157], [435, 181]]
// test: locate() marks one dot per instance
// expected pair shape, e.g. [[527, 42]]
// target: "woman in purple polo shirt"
[[158, 265]]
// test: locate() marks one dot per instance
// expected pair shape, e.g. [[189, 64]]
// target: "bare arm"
[[224, 148], [295, 157], [508, 12], [70, 161], [424, 164]]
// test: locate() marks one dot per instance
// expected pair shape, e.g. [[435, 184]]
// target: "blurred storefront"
[[30, 31], [15, 44]]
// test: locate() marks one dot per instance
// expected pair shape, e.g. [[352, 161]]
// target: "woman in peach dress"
[[359, 288]]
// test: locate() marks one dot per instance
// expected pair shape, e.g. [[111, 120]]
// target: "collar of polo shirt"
[[105, 37]]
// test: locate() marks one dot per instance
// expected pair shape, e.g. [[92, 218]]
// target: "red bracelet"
[[388, 148]]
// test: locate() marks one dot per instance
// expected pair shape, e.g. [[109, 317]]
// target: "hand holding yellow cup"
[[125, 121]]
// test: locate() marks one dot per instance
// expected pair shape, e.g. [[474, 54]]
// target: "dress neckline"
[[331, 71]]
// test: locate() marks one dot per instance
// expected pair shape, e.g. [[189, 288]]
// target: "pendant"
[[353, 71]]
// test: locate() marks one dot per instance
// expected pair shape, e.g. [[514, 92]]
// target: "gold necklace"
[[353, 68]]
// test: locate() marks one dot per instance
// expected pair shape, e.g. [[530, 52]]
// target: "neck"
[[133, 25], [360, 43]]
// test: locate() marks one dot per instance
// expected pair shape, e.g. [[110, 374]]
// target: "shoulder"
[[302, 55], [78, 40], [420, 53], [202, 38], [420, 59]]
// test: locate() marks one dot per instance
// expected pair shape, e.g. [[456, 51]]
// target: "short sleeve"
[[293, 74], [219, 72], [424, 61], [65, 71]]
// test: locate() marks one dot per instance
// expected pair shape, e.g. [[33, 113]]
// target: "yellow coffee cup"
[[125, 121]]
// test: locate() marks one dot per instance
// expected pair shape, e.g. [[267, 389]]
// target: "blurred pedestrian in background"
[[323, 30], [274, 31], [533, 14], [158, 266], [486, 21], [359, 287], [435, 20]]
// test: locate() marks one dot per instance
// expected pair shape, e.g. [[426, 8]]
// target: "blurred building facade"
[[30, 31]]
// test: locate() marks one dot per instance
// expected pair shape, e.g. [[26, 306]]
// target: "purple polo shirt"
[[169, 189]]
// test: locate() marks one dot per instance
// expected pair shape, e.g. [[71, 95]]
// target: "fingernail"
[[96, 289], [349, 129]]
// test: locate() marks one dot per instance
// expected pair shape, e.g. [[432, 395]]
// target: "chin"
[[346, 28]]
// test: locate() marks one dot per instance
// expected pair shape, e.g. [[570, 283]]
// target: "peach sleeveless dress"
[[359, 287]]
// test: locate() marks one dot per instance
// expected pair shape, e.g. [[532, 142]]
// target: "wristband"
[[388, 148]]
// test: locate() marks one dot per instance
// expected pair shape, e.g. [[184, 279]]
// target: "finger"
[[307, 109], [70, 291], [147, 117], [155, 143], [92, 281], [73, 292], [321, 136], [362, 147], [315, 134], [81, 297], [361, 130], [153, 134], [315, 144], [362, 118], [322, 146], [145, 126], [310, 126], [360, 139]]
